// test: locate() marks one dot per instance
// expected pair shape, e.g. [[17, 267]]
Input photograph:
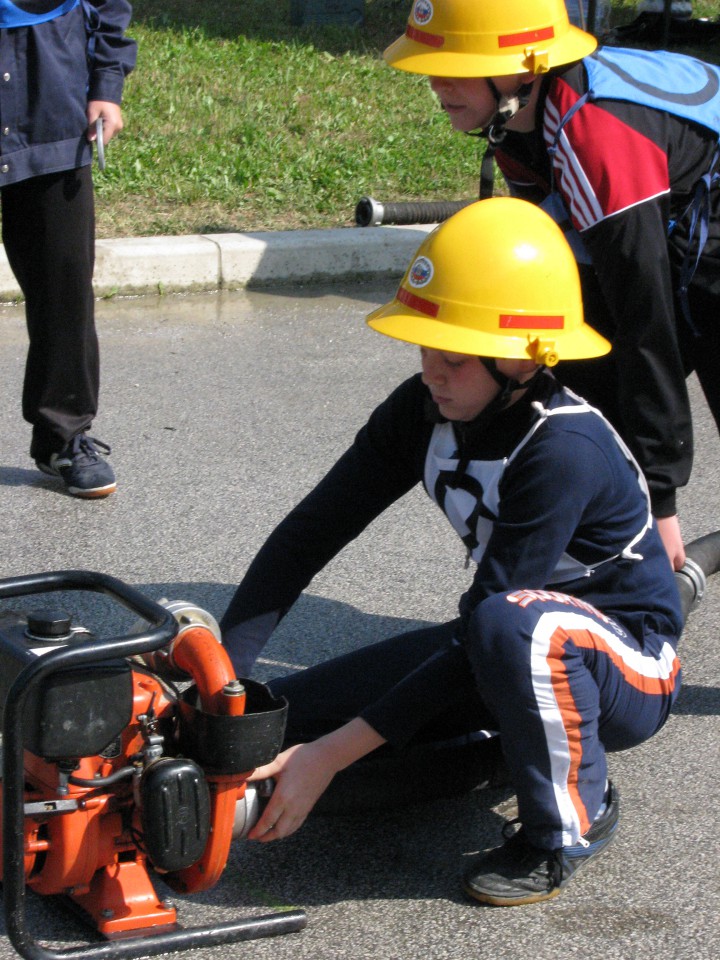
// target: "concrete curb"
[[153, 265]]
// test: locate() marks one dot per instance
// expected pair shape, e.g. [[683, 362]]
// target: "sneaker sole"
[[510, 901], [92, 493], [497, 901]]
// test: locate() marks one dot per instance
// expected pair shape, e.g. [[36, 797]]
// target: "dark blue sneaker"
[[518, 873], [81, 468]]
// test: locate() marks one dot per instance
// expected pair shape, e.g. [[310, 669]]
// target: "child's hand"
[[301, 775], [112, 119], [669, 530]]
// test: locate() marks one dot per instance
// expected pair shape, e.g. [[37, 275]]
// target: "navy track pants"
[[565, 683]]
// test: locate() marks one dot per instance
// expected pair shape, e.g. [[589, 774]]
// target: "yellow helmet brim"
[[451, 60], [411, 326]]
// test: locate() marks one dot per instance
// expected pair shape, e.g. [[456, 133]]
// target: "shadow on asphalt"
[[698, 701]]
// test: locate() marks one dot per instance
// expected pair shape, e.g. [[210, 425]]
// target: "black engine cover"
[[82, 709], [175, 813]]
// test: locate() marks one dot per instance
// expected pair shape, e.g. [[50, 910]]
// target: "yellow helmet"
[[497, 279], [488, 38]]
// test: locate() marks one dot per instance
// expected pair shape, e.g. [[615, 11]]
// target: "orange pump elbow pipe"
[[197, 652]]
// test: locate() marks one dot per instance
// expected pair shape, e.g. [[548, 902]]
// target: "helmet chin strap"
[[507, 105], [498, 403], [507, 384]]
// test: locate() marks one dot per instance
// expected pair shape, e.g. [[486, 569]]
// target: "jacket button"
[[4, 168], [6, 77]]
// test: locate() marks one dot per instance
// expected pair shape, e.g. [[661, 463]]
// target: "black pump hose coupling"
[[371, 213]]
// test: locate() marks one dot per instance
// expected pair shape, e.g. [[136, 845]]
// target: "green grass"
[[235, 120]]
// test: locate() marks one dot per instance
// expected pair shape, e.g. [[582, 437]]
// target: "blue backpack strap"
[[676, 84], [699, 210], [552, 149], [554, 205], [26, 13]]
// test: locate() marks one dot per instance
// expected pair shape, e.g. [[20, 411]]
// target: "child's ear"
[[517, 369]]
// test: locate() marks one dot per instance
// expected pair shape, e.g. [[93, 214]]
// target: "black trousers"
[[597, 380], [48, 229], [444, 758]]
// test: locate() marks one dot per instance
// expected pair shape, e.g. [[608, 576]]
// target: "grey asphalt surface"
[[222, 410]]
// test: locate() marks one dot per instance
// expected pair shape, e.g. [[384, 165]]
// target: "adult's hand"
[[112, 119]]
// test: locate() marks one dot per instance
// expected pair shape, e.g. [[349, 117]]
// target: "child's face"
[[468, 101], [460, 385]]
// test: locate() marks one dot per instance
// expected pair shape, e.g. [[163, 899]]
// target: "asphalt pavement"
[[222, 411]]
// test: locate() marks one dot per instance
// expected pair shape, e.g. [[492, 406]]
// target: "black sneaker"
[[518, 872], [82, 469]]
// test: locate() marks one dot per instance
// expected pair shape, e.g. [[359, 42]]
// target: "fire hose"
[[371, 213]]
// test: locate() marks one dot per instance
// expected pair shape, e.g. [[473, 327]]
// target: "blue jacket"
[[48, 73], [564, 491]]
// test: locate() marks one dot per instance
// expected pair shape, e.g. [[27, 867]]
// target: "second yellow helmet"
[[498, 279]]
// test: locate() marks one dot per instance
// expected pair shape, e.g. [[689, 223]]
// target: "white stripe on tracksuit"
[[635, 667]]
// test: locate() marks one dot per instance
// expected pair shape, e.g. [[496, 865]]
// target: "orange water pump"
[[123, 758]]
